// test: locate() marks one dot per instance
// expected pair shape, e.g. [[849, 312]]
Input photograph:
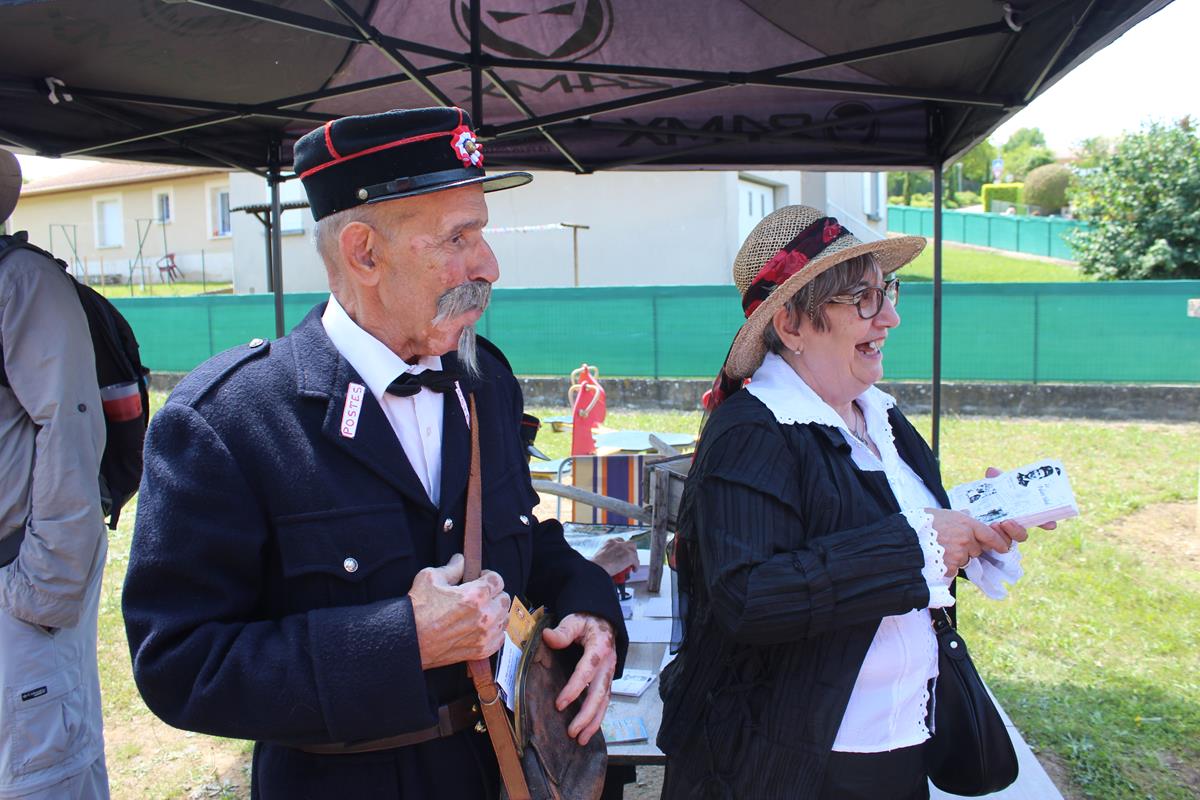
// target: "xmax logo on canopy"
[[543, 29]]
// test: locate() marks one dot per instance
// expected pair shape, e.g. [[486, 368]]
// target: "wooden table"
[[647, 656]]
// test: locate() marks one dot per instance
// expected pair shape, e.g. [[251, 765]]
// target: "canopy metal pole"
[[937, 308], [276, 234]]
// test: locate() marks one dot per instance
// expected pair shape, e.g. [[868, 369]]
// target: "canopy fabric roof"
[[580, 85]]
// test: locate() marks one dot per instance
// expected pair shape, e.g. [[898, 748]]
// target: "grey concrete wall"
[[1091, 401], [1086, 401]]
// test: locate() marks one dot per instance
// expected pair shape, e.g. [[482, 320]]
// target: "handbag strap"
[[494, 716]]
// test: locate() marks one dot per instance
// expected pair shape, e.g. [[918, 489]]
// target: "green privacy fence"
[[1039, 236], [1117, 332]]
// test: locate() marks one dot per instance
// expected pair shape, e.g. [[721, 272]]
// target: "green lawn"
[[176, 289], [1093, 656], [965, 264]]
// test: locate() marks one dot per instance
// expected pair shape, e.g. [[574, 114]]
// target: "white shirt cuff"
[[934, 570], [991, 571]]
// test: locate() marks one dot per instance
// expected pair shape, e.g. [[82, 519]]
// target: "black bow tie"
[[410, 383]]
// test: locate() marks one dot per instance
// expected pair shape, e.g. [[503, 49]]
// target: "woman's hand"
[[1009, 529], [963, 538]]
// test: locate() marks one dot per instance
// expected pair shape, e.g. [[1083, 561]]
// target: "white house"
[[641, 227]]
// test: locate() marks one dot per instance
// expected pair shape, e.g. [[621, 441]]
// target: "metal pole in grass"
[[937, 309], [273, 179], [1193, 310]]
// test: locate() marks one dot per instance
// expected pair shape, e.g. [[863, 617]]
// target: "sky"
[[1150, 73]]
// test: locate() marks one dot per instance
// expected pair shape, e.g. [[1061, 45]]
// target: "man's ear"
[[357, 242]]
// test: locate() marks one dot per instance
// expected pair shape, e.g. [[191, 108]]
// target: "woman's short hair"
[[810, 301]]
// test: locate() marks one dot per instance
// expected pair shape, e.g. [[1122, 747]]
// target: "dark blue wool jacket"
[[243, 618]]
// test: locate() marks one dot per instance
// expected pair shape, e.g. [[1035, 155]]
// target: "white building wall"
[[644, 227]]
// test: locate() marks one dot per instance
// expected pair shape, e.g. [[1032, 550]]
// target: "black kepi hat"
[[371, 158]]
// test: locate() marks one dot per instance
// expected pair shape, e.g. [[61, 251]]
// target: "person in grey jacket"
[[52, 541]]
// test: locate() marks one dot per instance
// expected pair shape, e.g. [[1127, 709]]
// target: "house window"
[[755, 201], [290, 221], [109, 222], [218, 212], [163, 208]]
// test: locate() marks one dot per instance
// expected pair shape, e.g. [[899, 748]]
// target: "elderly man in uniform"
[[296, 565]]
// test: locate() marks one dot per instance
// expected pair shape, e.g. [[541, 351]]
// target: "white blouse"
[[890, 699]]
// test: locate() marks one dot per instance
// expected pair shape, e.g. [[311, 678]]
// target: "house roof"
[[103, 174]]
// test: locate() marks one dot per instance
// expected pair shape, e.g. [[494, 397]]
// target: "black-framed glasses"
[[869, 301]]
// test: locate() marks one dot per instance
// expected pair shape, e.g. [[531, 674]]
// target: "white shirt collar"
[[793, 401], [372, 359]]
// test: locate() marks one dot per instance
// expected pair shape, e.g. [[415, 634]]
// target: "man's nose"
[[484, 266]]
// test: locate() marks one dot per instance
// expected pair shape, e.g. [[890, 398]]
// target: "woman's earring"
[[798, 352]]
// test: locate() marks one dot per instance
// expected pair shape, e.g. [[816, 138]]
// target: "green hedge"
[[1001, 192]]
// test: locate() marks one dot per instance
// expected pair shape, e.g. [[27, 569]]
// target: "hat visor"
[[748, 350], [491, 183]]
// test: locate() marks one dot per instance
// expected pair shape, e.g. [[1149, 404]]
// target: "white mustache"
[[459, 300], [465, 297]]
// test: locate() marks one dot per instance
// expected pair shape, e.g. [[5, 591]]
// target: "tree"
[[1046, 188], [1024, 151], [977, 165], [1093, 150], [1143, 207]]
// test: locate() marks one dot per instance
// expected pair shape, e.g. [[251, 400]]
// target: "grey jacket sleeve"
[[55, 429]]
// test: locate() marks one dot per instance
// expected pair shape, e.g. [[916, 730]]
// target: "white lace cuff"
[[934, 570], [991, 571]]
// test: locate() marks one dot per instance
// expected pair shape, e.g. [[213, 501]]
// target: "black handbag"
[[970, 753]]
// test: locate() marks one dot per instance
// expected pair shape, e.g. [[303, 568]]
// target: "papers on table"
[[656, 606], [624, 729], [1031, 495], [633, 683], [648, 630]]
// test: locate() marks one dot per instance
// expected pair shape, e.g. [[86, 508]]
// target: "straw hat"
[[767, 240], [10, 183]]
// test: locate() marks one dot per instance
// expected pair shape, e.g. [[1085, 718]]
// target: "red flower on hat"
[[832, 231], [781, 266], [466, 147]]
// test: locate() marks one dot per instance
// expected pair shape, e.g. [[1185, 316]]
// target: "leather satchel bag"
[[538, 760], [970, 753]]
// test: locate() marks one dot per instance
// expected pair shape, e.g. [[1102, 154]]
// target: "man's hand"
[[457, 623], [616, 556], [594, 671]]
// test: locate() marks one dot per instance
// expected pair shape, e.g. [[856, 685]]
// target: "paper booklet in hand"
[[1031, 495]]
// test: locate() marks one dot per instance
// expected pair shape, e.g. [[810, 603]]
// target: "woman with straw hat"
[[814, 538]]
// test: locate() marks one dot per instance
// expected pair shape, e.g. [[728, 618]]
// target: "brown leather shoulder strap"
[[494, 714]]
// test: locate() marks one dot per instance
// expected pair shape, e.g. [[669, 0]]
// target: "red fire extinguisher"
[[588, 409]]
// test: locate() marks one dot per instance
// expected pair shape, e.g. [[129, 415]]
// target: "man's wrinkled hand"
[[594, 671], [458, 622]]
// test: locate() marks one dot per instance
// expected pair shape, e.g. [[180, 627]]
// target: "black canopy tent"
[[579, 85]]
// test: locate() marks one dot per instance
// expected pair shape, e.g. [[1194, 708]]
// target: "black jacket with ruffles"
[[789, 557]]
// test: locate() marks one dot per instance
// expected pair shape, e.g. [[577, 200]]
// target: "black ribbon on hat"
[[410, 383]]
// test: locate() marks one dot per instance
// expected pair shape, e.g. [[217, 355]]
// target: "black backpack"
[[117, 362]]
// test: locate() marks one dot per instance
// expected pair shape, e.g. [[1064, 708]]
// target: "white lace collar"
[[793, 402]]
